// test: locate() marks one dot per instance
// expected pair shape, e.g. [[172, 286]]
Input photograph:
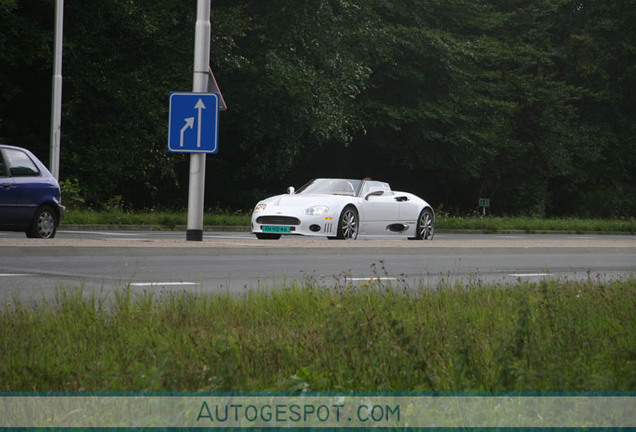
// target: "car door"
[[22, 187], [8, 195], [409, 209], [378, 208]]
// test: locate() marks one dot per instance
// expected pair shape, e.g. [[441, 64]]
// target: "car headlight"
[[316, 210], [259, 208]]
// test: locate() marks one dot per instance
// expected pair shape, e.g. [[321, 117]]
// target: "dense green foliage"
[[528, 103], [552, 336]]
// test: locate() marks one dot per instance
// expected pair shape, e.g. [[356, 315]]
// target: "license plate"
[[276, 229]]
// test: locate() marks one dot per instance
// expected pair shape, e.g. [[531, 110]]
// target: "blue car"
[[30, 197]]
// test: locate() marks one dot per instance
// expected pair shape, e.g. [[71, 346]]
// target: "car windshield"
[[332, 187]]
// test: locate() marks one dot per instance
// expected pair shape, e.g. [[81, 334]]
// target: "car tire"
[[348, 224], [425, 229], [267, 236], [44, 224]]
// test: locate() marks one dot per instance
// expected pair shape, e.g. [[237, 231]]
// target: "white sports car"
[[344, 209]]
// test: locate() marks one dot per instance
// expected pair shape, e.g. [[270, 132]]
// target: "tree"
[[293, 89], [433, 114], [566, 142], [528, 103], [25, 73]]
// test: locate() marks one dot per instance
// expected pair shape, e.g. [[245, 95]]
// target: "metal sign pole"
[[199, 85], [56, 98]]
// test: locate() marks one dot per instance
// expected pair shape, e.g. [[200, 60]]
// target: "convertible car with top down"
[[344, 209]]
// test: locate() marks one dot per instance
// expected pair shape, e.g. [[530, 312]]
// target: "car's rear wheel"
[[425, 225], [44, 224], [267, 236], [348, 224]]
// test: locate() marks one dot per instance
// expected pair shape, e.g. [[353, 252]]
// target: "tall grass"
[[550, 336]]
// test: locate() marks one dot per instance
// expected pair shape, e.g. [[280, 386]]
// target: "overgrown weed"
[[378, 335]]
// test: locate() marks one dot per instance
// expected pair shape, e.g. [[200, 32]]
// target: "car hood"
[[301, 200]]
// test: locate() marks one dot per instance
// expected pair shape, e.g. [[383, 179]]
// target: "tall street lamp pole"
[[56, 97], [199, 85]]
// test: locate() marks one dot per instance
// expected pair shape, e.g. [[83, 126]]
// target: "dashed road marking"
[[160, 284], [370, 279], [104, 233], [221, 236]]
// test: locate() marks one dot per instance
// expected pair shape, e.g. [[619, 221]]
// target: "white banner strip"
[[331, 411]]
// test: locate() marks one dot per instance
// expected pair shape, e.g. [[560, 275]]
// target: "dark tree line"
[[528, 103]]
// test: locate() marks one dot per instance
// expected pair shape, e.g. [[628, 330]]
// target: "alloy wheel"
[[425, 225], [349, 224]]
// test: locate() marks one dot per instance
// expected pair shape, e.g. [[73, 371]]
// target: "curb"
[[131, 227]]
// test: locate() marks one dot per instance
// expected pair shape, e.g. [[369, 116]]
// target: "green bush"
[[72, 194]]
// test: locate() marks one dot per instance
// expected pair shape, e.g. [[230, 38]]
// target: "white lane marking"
[[529, 274], [105, 233], [158, 284], [370, 279], [221, 236], [14, 274]]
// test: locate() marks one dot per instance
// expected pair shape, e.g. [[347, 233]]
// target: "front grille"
[[277, 220]]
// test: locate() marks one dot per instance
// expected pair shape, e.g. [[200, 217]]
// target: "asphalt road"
[[101, 262]]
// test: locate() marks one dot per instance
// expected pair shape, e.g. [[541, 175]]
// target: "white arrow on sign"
[[199, 106], [189, 124]]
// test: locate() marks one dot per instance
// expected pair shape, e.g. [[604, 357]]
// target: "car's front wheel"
[[44, 224], [348, 224], [267, 236], [425, 225]]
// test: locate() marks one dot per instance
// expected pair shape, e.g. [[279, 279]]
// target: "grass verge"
[[550, 336], [170, 220], [165, 220], [537, 225]]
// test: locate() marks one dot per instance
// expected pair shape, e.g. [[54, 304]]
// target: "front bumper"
[[61, 211], [306, 225]]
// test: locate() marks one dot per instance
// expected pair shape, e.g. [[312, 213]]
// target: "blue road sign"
[[194, 123]]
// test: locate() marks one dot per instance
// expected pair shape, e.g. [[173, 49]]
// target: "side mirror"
[[291, 190], [374, 193]]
